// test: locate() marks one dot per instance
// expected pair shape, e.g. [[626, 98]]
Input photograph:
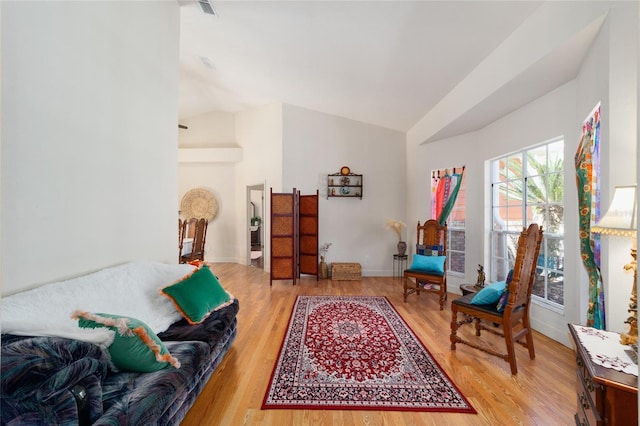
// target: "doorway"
[[255, 225]]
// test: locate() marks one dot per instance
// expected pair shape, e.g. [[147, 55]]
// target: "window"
[[455, 221], [528, 187]]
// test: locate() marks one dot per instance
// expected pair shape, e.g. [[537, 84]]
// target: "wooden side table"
[[605, 396], [469, 288], [399, 264]]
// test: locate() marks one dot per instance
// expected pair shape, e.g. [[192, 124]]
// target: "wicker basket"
[[346, 271]]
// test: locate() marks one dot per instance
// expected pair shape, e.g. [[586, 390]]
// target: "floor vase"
[[323, 269]]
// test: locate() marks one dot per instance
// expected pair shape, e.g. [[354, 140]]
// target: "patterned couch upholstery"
[[62, 381]]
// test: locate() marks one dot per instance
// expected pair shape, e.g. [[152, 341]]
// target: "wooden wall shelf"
[[344, 185]]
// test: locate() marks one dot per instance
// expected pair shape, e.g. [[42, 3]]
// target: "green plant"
[[256, 220], [538, 193]]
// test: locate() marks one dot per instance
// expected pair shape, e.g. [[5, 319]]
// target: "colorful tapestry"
[[356, 353], [587, 163], [444, 193]]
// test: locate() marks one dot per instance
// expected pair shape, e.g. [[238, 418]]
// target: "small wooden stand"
[[469, 288], [605, 396]]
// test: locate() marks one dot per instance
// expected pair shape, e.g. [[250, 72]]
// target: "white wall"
[[259, 133], [317, 144], [553, 116], [594, 77], [609, 74], [216, 174], [89, 137], [283, 147], [1, 174]]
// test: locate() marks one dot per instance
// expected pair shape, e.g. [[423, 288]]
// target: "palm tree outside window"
[[528, 187]]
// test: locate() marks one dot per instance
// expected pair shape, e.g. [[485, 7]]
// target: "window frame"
[[460, 205], [503, 241]]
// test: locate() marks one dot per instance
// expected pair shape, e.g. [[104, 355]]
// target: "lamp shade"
[[620, 219]]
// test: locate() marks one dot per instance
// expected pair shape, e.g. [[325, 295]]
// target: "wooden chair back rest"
[[198, 228], [182, 230], [432, 234], [190, 227], [524, 270]]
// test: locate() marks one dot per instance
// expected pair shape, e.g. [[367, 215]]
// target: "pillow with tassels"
[[135, 346], [198, 295]]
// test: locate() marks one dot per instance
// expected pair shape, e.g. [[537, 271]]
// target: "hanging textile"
[[441, 190], [444, 192], [587, 170], [454, 182], [434, 189]]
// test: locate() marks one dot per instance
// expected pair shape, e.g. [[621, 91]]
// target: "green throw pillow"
[[135, 346], [433, 264], [197, 295], [489, 294]]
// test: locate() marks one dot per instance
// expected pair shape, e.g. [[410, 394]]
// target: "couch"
[[55, 372]]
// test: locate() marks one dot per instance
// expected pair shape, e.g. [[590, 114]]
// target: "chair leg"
[[477, 323], [511, 353], [529, 337], [410, 287], [404, 286], [454, 327]]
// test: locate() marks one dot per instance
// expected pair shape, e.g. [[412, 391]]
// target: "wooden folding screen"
[[284, 208], [308, 239], [294, 235]]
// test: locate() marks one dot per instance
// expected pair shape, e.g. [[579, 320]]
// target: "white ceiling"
[[386, 63]]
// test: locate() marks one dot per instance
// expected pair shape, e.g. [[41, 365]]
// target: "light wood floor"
[[542, 393]]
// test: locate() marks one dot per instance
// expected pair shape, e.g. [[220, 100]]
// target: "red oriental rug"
[[356, 353]]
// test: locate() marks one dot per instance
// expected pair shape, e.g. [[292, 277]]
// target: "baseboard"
[[560, 336]]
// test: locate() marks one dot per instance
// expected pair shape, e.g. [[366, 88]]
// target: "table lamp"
[[620, 220]]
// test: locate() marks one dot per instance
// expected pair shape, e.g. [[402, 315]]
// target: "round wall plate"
[[199, 203], [345, 170]]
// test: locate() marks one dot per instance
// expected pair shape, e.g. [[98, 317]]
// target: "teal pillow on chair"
[[433, 264], [489, 294]]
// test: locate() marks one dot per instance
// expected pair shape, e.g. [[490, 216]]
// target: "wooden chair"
[[196, 229], [430, 237], [515, 317], [182, 230]]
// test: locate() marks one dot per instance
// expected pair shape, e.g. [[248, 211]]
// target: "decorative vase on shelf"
[[323, 269], [402, 248]]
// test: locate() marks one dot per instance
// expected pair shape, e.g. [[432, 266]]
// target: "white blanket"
[[131, 289]]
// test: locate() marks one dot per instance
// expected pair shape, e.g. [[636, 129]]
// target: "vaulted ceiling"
[[387, 63]]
